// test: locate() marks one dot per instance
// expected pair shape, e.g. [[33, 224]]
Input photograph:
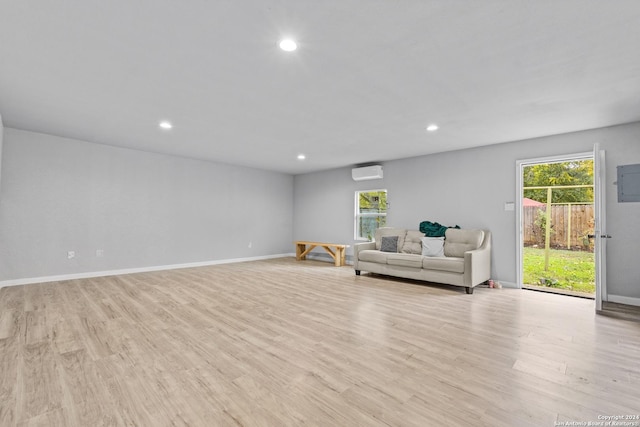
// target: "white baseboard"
[[504, 284], [328, 258], [623, 300], [91, 274]]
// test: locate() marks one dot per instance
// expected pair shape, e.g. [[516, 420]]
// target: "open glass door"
[[554, 254], [600, 230]]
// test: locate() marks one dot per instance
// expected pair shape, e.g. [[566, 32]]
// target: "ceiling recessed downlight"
[[165, 125], [301, 157], [288, 45], [432, 128]]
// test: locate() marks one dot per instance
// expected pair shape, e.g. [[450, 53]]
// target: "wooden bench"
[[339, 255]]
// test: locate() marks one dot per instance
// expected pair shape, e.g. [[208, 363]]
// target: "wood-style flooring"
[[621, 311], [286, 343]]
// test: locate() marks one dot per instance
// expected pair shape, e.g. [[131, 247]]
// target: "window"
[[371, 213]]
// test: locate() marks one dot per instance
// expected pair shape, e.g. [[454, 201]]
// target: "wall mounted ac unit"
[[367, 172]]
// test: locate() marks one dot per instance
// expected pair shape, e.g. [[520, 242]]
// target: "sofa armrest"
[[361, 247], [477, 263]]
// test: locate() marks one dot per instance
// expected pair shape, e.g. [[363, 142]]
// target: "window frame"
[[358, 215]]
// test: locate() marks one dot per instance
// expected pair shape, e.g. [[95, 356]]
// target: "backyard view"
[[568, 270], [557, 221]]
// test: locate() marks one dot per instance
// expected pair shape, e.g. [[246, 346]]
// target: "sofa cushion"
[[405, 260], [390, 231], [371, 255], [458, 242], [432, 246], [389, 244], [453, 265], [412, 242]]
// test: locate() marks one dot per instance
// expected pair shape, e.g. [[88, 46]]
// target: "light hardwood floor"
[[286, 343]]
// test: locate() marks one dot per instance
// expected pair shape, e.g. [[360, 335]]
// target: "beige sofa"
[[464, 261]]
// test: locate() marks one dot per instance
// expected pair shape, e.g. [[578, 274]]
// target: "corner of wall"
[[1, 138]]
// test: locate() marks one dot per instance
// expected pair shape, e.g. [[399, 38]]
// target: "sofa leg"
[[357, 272], [469, 289]]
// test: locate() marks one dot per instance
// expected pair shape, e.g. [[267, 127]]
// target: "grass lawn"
[[572, 270]]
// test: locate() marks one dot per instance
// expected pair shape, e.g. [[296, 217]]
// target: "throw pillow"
[[389, 231], [389, 244], [433, 246]]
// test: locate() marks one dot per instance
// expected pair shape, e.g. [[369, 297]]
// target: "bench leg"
[[469, 289], [357, 272]]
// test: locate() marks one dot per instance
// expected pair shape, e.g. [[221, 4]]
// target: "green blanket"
[[433, 229]]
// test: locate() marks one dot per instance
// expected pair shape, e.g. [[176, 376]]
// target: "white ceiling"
[[366, 80]]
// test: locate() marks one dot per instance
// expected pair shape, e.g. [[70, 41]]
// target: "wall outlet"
[[71, 254], [99, 253], [250, 244]]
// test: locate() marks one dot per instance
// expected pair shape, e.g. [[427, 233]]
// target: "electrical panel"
[[628, 183]]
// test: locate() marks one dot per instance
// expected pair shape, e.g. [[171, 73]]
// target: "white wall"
[[469, 188], [148, 210], [142, 209], [1, 139]]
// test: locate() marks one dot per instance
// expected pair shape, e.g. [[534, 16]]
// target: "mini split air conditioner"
[[365, 173]]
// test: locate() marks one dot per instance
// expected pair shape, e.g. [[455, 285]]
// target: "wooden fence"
[[570, 225]]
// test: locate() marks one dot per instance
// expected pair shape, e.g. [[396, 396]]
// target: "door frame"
[[600, 226], [520, 165]]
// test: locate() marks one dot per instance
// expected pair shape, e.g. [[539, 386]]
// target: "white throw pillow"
[[433, 246]]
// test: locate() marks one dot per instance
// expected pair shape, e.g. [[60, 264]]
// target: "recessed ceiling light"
[[301, 157], [432, 128], [288, 45], [165, 125]]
